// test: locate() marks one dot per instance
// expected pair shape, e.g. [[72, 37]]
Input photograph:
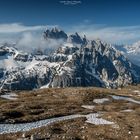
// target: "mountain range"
[[76, 61], [131, 51]]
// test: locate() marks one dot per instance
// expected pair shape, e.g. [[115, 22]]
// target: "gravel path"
[[12, 128], [93, 118]]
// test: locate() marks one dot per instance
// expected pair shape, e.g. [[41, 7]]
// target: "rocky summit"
[[77, 62]]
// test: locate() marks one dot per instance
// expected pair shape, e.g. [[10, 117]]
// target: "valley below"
[[71, 114]]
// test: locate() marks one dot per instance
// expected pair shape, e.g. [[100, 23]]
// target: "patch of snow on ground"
[[9, 96], [88, 106], [127, 110], [93, 119], [100, 101], [136, 91], [124, 98]]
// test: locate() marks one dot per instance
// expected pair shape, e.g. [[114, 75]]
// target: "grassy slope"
[[47, 103]]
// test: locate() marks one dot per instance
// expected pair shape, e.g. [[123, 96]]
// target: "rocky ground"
[[120, 108]]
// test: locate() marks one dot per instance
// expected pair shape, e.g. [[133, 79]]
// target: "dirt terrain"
[[123, 110]]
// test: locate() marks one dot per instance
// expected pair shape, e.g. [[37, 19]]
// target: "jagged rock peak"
[[55, 33], [77, 39], [55, 29]]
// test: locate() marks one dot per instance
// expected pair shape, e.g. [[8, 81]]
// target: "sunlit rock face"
[[79, 62]]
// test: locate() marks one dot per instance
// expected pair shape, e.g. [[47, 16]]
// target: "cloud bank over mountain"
[[114, 34], [32, 43]]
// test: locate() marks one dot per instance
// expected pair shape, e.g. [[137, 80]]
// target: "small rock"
[[33, 137], [83, 127], [83, 137], [38, 95], [136, 137], [129, 132]]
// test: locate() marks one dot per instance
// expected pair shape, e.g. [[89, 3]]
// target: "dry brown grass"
[[47, 103]]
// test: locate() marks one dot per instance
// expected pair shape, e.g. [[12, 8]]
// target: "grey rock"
[[93, 63], [55, 34]]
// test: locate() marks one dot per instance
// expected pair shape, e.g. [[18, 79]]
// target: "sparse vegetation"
[[49, 103]]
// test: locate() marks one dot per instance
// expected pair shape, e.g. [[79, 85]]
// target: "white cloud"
[[28, 38], [118, 34], [14, 31], [32, 43], [18, 27]]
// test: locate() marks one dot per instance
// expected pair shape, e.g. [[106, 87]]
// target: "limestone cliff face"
[[96, 64], [75, 63]]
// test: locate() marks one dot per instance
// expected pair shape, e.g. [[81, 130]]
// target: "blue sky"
[[116, 21]]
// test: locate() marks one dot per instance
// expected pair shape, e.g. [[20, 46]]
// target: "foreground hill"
[[105, 114]]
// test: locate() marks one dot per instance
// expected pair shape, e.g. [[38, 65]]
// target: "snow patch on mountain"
[[76, 61], [131, 51]]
